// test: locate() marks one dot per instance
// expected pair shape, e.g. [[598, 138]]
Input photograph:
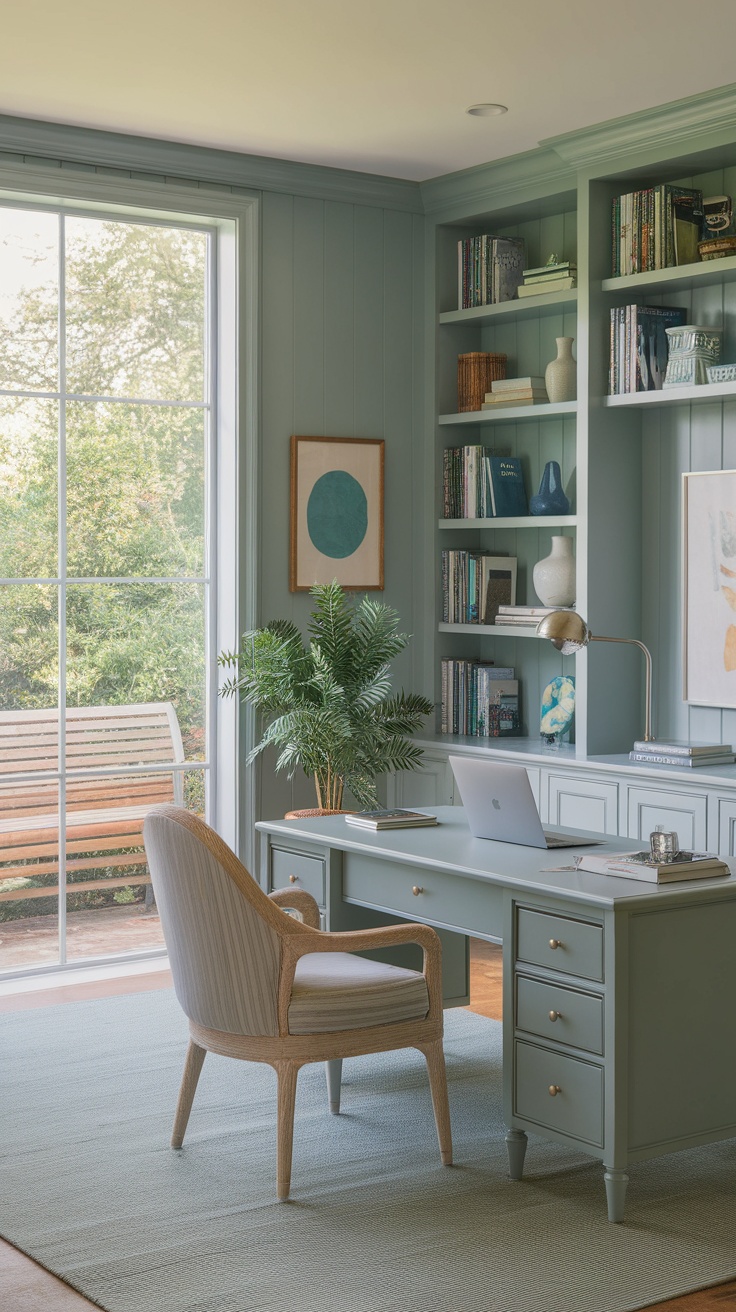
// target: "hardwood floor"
[[27, 1287]]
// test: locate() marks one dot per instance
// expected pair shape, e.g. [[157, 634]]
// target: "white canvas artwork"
[[709, 578]]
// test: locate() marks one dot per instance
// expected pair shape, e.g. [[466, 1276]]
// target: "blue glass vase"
[[550, 499]]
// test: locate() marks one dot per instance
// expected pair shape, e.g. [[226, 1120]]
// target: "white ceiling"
[[375, 85]]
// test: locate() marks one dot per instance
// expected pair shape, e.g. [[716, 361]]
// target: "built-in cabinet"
[[604, 795], [622, 457]]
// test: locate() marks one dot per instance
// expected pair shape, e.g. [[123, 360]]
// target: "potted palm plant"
[[329, 703]]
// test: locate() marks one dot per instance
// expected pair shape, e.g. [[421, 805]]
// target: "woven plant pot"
[[309, 811]]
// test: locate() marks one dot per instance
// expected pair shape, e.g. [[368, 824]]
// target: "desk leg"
[[616, 1182], [516, 1142], [333, 1071]]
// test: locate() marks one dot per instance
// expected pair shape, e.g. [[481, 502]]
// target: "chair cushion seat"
[[340, 991]]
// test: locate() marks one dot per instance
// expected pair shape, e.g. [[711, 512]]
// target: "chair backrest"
[[223, 952]]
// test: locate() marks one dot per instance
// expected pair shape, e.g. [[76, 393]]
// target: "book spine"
[[685, 761]]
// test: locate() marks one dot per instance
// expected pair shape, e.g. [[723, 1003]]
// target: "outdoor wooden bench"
[[105, 812]]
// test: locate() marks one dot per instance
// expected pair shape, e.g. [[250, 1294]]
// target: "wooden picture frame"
[[709, 588], [336, 520]]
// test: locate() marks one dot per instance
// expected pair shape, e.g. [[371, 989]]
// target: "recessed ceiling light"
[[486, 111]]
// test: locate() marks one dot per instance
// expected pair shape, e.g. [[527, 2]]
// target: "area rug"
[[92, 1191]]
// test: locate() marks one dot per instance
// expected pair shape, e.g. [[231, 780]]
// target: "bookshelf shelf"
[[705, 394], [512, 414], [531, 307], [684, 277], [517, 521], [496, 630]]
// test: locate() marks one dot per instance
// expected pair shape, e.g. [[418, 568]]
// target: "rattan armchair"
[[261, 985]]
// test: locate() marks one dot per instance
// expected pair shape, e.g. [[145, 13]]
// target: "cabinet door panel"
[[684, 812], [430, 785], [583, 803], [722, 832]]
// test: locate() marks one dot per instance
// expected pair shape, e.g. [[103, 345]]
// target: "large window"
[[107, 596]]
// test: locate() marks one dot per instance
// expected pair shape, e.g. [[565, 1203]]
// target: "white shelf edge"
[[499, 630], [512, 521], [513, 413], [546, 302], [702, 395]]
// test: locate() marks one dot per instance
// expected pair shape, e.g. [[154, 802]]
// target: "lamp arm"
[[648, 735]]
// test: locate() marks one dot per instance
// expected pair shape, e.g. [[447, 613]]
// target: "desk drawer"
[[575, 1106], [294, 869], [468, 905], [574, 947], [561, 1014]]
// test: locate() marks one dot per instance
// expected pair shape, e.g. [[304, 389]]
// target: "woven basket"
[[476, 370], [310, 811]]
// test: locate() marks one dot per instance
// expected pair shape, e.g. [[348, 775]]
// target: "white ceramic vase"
[[554, 576], [561, 374]]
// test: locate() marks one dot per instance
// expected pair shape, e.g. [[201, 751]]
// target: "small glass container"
[[663, 845]]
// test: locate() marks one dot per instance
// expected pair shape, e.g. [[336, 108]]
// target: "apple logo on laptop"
[[496, 804]]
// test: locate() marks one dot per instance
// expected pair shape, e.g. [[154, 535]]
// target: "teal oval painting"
[[337, 514]]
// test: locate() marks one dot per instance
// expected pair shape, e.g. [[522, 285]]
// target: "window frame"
[[233, 480]]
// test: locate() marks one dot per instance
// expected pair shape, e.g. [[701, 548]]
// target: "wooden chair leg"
[[287, 1073], [333, 1071], [435, 1058], [192, 1067]]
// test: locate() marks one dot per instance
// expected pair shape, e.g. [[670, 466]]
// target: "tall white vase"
[[554, 576], [561, 374]]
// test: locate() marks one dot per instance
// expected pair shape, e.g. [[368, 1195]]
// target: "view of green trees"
[[135, 316]]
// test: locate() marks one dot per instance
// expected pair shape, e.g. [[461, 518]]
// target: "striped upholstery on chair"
[[337, 991], [224, 958]]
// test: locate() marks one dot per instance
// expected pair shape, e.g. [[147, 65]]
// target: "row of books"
[[555, 276], [639, 346], [479, 699], [655, 228], [686, 755], [525, 617], [474, 585], [529, 390], [476, 484], [489, 269]]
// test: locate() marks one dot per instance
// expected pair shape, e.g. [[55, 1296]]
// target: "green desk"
[[619, 1008]]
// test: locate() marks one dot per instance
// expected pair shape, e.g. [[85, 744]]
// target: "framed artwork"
[[498, 585], [709, 588], [336, 512]]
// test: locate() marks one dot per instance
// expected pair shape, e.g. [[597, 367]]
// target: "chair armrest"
[[299, 900], [362, 940]]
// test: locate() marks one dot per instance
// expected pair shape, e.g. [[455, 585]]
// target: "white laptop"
[[499, 804]]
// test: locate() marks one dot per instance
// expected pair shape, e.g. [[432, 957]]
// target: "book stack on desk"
[[397, 818], [639, 865], [687, 755]]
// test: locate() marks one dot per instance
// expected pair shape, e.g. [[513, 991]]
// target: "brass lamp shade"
[[566, 630]]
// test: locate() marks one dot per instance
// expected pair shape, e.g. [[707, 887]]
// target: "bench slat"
[[85, 887]]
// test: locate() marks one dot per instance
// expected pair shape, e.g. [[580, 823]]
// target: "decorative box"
[[692, 350], [721, 373]]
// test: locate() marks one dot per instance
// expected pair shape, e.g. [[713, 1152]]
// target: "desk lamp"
[[568, 632]]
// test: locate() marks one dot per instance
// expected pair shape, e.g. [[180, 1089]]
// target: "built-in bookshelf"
[[623, 456]]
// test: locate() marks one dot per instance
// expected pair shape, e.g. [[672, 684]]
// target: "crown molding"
[[696, 116], [534, 173], [51, 142]]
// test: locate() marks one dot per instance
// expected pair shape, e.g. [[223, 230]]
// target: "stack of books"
[[656, 228], [390, 819], [489, 269], [479, 699], [639, 346], [529, 390], [639, 865], [525, 616], [684, 754], [557, 276]]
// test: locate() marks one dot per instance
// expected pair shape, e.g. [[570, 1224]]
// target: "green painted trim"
[[50, 143], [510, 181], [665, 125]]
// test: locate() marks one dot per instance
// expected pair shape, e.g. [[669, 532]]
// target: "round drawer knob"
[[554, 1089], [555, 943], [555, 1015], [416, 890], [293, 879]]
